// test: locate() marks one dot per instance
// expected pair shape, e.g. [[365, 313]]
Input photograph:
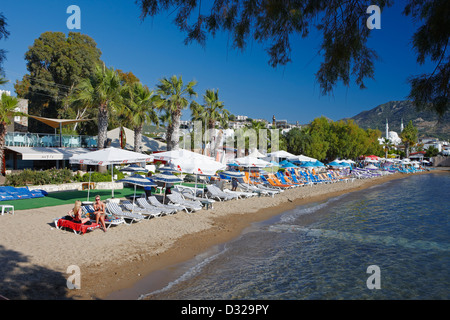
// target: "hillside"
[[394, 111]]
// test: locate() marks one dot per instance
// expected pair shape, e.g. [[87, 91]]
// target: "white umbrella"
[[110, 156], [197, 165], [178, 154], [251, 162]]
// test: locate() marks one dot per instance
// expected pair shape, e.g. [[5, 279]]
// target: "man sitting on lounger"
[[99, 210]]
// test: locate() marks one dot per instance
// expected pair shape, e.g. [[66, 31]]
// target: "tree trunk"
[[2, 144], [137, 139], [102, 126], [169, 133], [175, 138]]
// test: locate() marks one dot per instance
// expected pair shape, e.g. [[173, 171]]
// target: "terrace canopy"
[[58, 123]]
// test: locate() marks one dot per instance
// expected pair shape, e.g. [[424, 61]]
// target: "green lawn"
[[69, 197]]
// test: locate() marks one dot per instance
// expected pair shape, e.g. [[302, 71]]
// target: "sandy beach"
[[35, 255]]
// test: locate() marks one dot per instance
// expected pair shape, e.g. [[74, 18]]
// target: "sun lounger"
[[215, 193], [110, 220], [269, 180], [176, 199], [186, 193], [114, 209], [240, 194], [156, 203], [151, 212], [142, 202], [250, 188]]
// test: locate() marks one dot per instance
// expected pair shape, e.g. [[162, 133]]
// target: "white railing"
[[20, 139]]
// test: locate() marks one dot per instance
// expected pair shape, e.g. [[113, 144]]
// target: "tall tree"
[[175, 97], [342, 24], [409, 137], [3, 34], [56, 64], [102, 92]]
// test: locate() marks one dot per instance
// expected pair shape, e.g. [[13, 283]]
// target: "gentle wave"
[[291, 216], [364, 238], [187, 275]]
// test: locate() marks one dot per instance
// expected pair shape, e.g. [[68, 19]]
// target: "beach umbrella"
[[165, 178], [301, 158], [288, 164], [198, 166], [137, 180], [317, 163], [133, 168], [110, 156], [335, 163], [251, 162]]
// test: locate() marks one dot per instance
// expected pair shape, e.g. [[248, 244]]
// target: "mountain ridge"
[[395, 111]]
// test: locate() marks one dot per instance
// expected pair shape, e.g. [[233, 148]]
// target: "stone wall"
[[77, 186]]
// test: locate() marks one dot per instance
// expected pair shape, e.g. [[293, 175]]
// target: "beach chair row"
[[126, 212]]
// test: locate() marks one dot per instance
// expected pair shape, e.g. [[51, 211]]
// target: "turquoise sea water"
[[323, 250]]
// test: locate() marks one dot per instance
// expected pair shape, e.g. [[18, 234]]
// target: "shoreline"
[[125, 255], [222, 230]]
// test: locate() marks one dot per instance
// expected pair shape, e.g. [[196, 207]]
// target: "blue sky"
[[154, 48]]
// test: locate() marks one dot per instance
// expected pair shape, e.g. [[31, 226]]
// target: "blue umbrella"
[[166, 178], [289, 165], [307, 164], [319, 164], [335, 164], [134, 168], [137, 180]]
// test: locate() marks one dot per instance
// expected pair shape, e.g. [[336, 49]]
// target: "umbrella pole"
[[112, 180], [89, 185]]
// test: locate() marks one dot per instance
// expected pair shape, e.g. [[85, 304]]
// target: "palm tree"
[[387, 145], [101, 91], [7, 111], [174, 99], [409, 137], [141, 107], [3, 80], [212, 111]]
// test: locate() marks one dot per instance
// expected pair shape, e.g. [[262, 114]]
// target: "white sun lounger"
[[142, 202], [113, 208], [176, 198], [218, 194], [153, 201], [152, 212]]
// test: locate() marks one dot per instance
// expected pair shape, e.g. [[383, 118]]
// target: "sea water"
[[325, 250]]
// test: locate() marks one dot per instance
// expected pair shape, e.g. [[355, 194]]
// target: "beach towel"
[[77, 226]]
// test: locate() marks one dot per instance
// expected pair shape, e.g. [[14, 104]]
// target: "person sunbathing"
[[100, 211], [76, 213]]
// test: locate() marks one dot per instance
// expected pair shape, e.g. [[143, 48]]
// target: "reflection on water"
[[322, 250]]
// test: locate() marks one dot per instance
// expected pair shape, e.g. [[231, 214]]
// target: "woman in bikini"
[[99, 210], [76, 213]]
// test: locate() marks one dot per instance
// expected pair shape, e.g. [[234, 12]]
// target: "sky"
[[154, 48]]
